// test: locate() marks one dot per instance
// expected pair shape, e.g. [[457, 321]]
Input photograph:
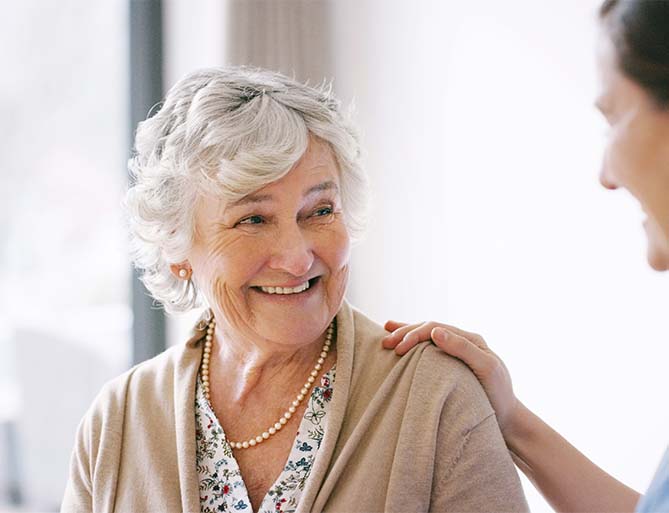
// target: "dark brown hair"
[[639, 30]]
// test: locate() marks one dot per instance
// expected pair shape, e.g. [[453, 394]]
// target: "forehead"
[[617, 91], [314, 172], [318, 159], [607, 68], [316, 166]]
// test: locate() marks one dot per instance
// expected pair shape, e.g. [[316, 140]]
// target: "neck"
[[252, 368]]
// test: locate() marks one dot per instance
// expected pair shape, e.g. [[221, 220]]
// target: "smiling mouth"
[[288, 290]]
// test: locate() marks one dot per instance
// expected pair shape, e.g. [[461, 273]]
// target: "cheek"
[[336, 248], [229, 301], [628, 153], [336, 255], [619, 155], [226, 263]]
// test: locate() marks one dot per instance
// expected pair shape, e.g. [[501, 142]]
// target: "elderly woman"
[[634, 68], [247, 193]]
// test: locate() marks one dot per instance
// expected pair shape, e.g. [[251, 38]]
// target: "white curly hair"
[[232, 131]]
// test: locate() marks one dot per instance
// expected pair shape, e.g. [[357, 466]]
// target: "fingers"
[[393, 325], [411, 335], [474, 338], [463, 348], [391, 340], [407, 336]]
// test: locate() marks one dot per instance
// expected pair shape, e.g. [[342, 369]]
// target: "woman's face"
[[637, 153], [274, 265]]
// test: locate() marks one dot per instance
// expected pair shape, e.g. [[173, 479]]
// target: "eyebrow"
[[260, 198], [325, 186], [251, 198]]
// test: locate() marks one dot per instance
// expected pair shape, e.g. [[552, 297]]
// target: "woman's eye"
[[251, 220], [323, 211]]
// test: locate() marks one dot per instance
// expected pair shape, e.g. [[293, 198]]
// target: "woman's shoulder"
[[149, 382], [368, 335], [464, 397], [425, 368]]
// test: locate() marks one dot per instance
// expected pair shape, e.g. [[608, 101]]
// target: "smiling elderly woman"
[[247, 194]]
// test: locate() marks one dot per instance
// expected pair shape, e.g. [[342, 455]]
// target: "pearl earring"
[[183, 273]]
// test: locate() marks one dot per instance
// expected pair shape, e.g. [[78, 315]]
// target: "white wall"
[[484, 152], [65, 324], [193, 36], [484, 149]]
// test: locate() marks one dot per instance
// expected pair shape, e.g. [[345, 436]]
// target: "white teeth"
[[286, 290]]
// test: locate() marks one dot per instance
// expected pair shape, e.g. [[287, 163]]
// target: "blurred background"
[[483, 150]]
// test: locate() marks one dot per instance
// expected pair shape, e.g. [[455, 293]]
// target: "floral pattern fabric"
[[222, 487]]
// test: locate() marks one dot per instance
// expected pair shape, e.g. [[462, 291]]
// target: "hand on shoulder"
[[473, 351]]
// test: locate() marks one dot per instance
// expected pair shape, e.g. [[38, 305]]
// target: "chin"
[[658, 246], [657, 259], [292, 328]]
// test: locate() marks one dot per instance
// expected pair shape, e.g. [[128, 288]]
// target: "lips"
[[286, 290], [281, 290]]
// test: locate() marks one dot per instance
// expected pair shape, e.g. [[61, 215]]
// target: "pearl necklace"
[[204, 373]]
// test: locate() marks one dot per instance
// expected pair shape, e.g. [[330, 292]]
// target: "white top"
[[222, 487]]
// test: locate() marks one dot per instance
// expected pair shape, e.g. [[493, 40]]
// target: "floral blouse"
[[221, 485]]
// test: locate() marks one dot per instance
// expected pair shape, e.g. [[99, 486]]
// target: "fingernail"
[[440, 332]]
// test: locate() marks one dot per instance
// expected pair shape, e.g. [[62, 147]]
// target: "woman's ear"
[[182, 271]]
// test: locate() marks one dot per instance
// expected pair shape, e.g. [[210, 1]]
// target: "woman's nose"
[[605, 178], [292, 252]]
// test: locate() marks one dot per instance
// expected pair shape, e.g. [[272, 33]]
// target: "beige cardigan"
[[404, 434]]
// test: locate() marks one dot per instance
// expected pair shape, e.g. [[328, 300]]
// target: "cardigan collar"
[[186, 369]]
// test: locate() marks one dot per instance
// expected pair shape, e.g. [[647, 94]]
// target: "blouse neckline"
[[221, 485]]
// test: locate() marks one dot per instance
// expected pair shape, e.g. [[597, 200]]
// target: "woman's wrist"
[[518, 426]]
